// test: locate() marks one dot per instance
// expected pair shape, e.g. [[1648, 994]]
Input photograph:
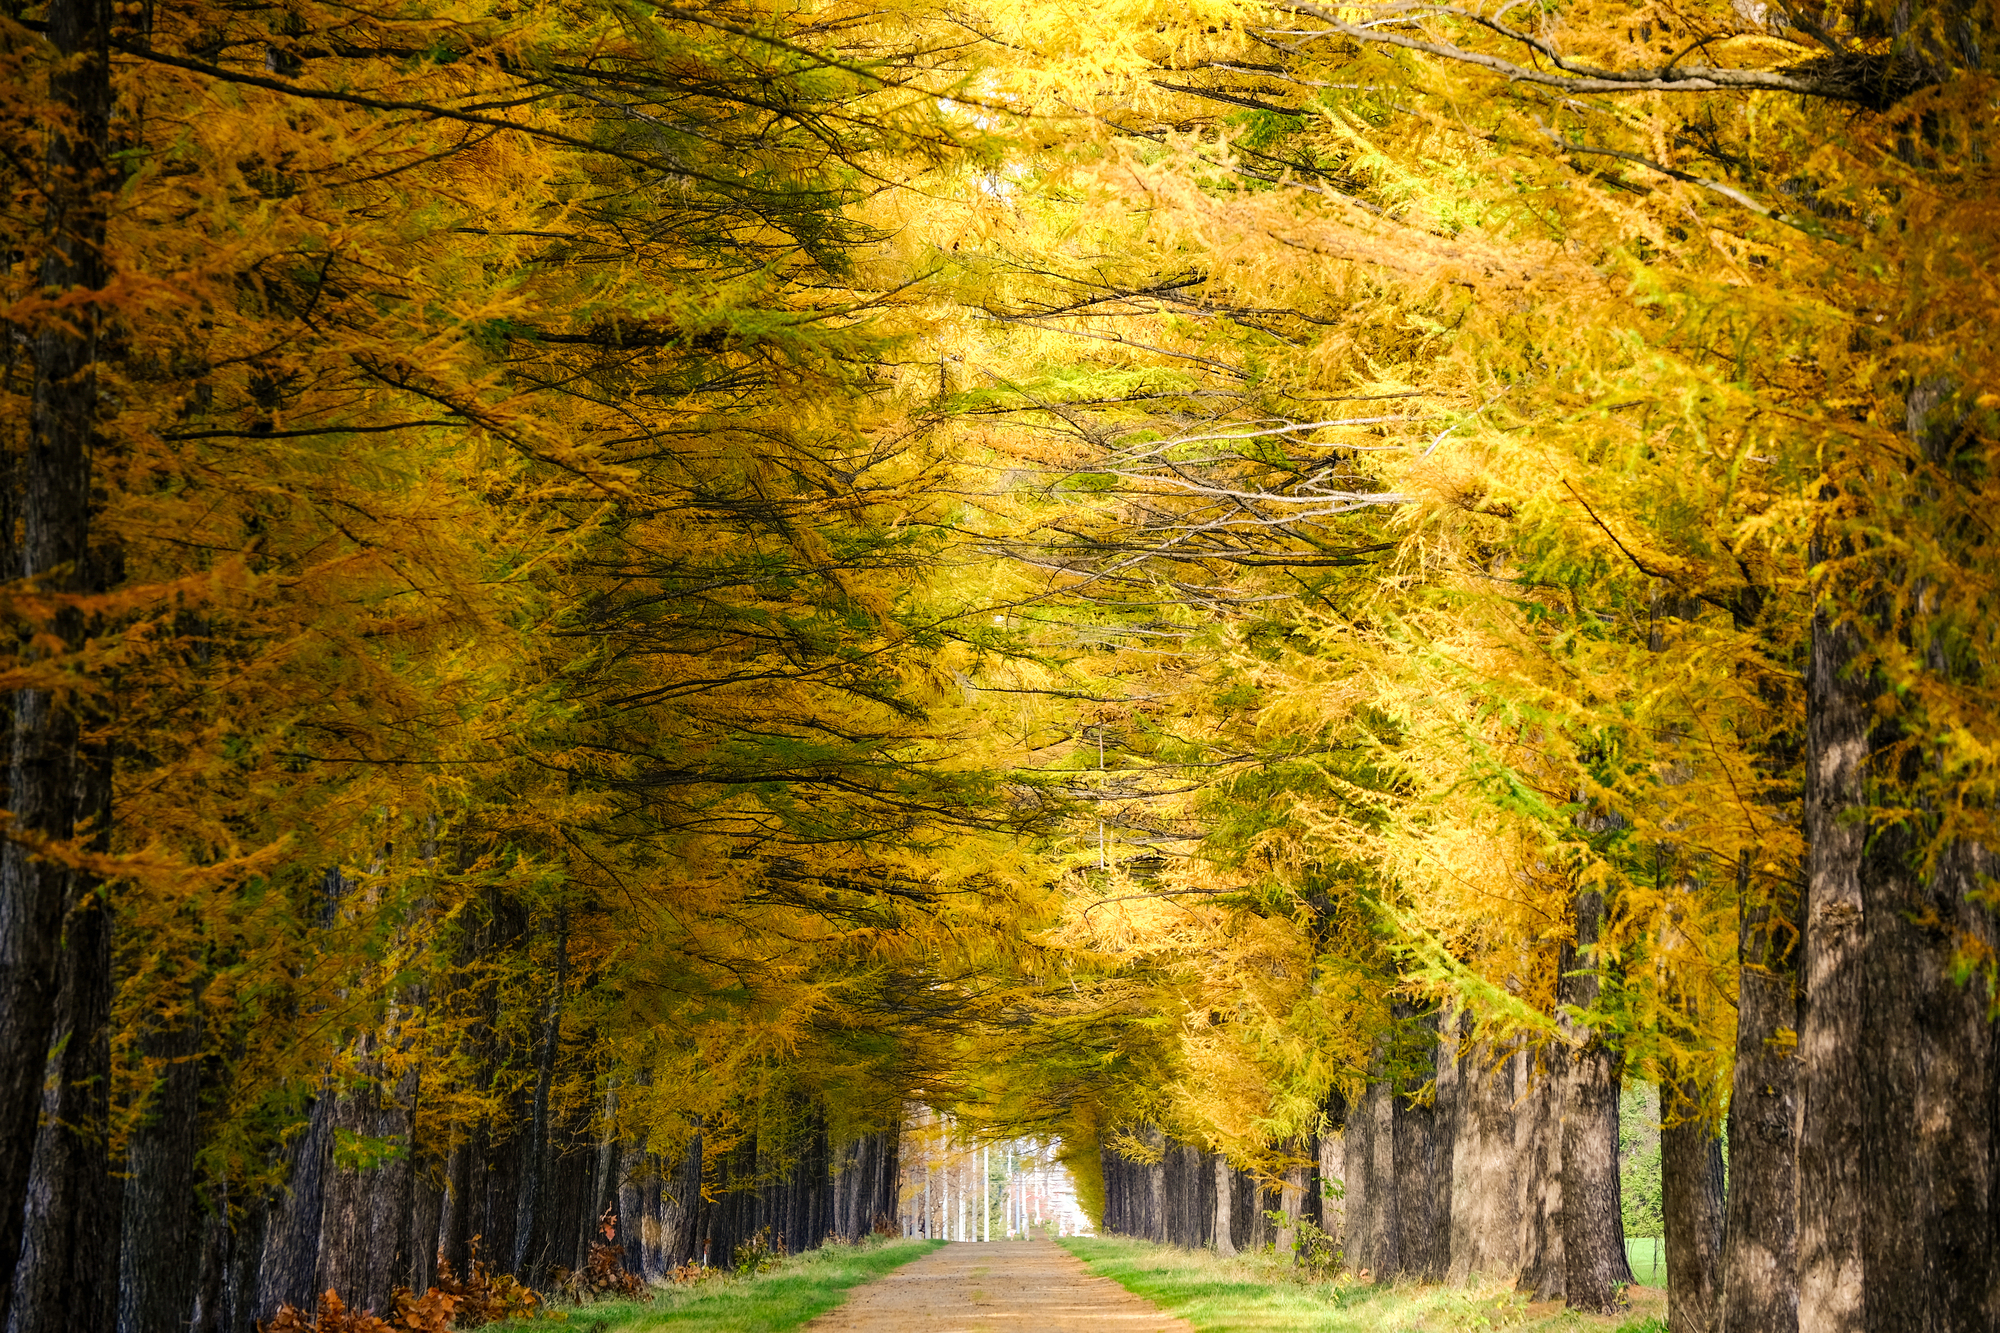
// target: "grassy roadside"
[[784, 1297], [1257, 1294]]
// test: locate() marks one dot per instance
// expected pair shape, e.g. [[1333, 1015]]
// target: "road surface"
[[1015, 1286]]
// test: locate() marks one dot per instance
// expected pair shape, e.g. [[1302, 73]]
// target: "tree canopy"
[[604, 599]]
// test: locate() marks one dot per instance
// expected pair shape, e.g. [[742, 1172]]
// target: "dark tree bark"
[[887, 1187], [1246, 1198], [1358, 1150], [1538, 1136], [1595, 1268], [211, 1286], [1929, 1141], [1386, 1198], [1333, 1170], [1833, 1208], [1422, 1169], [246, 1255], [1760, 1248], [463, 1193], [426, 1221], [681, 1205], [365, 1235], [155, 1281], [1691, 1172], [535, 1151], [1897, 1118], [502, 1192], [631, 1187], [66, 1279], [603, 1196], [48, 540], [290, 1260]]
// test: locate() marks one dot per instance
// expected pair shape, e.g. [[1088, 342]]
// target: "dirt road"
[[1006, 1287]]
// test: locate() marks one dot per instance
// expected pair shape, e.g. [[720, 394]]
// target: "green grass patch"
[[1648, 1257], [1260, 1294], [783, 1297]]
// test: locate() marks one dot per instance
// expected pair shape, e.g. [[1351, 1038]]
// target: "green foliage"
[[1316, 1252], [1641, 1189]]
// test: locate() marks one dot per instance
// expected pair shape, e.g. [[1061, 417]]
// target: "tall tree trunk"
[[66, 1279], [246, 1255], [1225, 1206], [1385, 1191], [1485, 1166], [1359, 1151], [289, 1263], [1833, 1208], [1538, 1134], [1156, 1188], [1691, 1173], [365, 1236], [48, 539], [426, 1220], [1897, 1119], [211, 1285], [1595, 1269], [631, 1187], [1333, 1170], [535, 1151], [1422, 1172], [603, 1196], [155, 1281], [1760, 1248], [681, 1204]]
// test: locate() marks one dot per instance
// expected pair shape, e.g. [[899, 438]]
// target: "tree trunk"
[[1691, 1173], [1485, 1167], [535, 1152], [211, 1286], [1291, 1201], [426, 1221], [155, 1281], [1333, 1172], [48, 535], [1422, 1172], [1595, 1269], [631, 1186], [1225, 1206], [290, 1261], [1833, 1208], [1385, 1188], [462, 1194], [1538, 1134], [365, 1235], [246, 1256], [1760, 1249], [1359, 1151], [66, 1278], [681, 1203]]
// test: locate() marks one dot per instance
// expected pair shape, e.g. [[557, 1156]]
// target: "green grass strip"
[[797, 1289], [1259, 1294]]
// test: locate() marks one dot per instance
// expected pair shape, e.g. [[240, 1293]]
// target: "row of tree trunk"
[[1460, 1159], [363, 1226], [1180, 1195], [1456, 1160]]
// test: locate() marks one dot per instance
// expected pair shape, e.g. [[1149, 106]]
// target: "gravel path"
[[1004, 1287]]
